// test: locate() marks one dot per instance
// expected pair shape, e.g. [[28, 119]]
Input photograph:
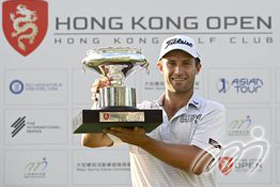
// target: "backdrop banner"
[[43, 87]]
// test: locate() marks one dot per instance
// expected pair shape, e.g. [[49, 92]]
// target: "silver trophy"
[[116, 105]]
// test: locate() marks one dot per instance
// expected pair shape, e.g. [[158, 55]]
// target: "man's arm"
[[96, 140], [186, 157]]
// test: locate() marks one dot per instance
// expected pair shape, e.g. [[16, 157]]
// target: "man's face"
[[179, 70]]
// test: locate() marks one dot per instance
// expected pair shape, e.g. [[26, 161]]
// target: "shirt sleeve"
[[210, 130]]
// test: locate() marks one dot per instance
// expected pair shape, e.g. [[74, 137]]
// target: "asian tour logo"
[[240, 85], [25, 24]]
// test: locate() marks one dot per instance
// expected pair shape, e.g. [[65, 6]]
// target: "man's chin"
[[181, 91]]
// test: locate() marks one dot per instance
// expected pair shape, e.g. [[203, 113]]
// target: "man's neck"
[[175, 101]]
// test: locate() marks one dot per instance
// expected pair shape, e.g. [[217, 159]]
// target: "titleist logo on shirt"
[[178, 41]]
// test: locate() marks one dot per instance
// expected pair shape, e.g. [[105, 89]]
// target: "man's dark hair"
[[197, 61]]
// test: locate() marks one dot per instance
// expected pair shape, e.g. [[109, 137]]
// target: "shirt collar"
[[159, 101], [195, 101]]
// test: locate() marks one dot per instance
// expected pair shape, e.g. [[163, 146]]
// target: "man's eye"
[[187, 63], [171, 63]]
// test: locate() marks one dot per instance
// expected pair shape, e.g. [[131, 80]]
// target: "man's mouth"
[[178, 79]]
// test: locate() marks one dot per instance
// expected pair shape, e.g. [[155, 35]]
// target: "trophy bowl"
[[116, 104]]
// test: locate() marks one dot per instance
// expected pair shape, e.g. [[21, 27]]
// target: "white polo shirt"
[[201, 122]]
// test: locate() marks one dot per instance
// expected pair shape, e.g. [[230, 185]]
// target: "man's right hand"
[[97, 139], [99, 83]]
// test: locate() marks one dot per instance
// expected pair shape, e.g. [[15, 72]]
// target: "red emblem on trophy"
[[25, 24], [106, 116]]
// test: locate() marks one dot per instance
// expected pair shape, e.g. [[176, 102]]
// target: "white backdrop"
[[43, 90]]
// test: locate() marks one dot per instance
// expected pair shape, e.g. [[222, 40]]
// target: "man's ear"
[[198, 68], [159, 65]]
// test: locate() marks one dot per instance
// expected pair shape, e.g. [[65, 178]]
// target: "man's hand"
[[99, 83], [97, 139], [135, 136]]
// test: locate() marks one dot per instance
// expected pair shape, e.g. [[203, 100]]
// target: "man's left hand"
[[135, 136]]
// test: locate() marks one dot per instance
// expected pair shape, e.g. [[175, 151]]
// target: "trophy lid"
[[132, 58]]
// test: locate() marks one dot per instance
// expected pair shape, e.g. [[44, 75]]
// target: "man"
[[178, 152]]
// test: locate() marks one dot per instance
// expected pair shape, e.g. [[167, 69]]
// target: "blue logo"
[[16, 87], [240, 85], [245, 85], [223, 85]]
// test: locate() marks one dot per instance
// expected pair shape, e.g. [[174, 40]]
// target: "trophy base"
[[94, 121]]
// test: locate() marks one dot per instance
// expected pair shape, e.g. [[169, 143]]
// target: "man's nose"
[[178, 69]]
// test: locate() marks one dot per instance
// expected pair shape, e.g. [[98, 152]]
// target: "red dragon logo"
[[25, 24]]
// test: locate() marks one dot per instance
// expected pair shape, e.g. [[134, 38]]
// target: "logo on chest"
[[190, 118]]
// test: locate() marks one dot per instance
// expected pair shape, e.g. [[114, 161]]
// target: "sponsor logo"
[[36, 169], [159, 85], [240, 85], [223, 85], [240, 127], [245, 165], [154, 85], [18, 125], [225, 165], [25, 24], [227, 162], [178, 41], [31, 127], [16, 87], [190, 118], [102, 166], [214, 143]]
